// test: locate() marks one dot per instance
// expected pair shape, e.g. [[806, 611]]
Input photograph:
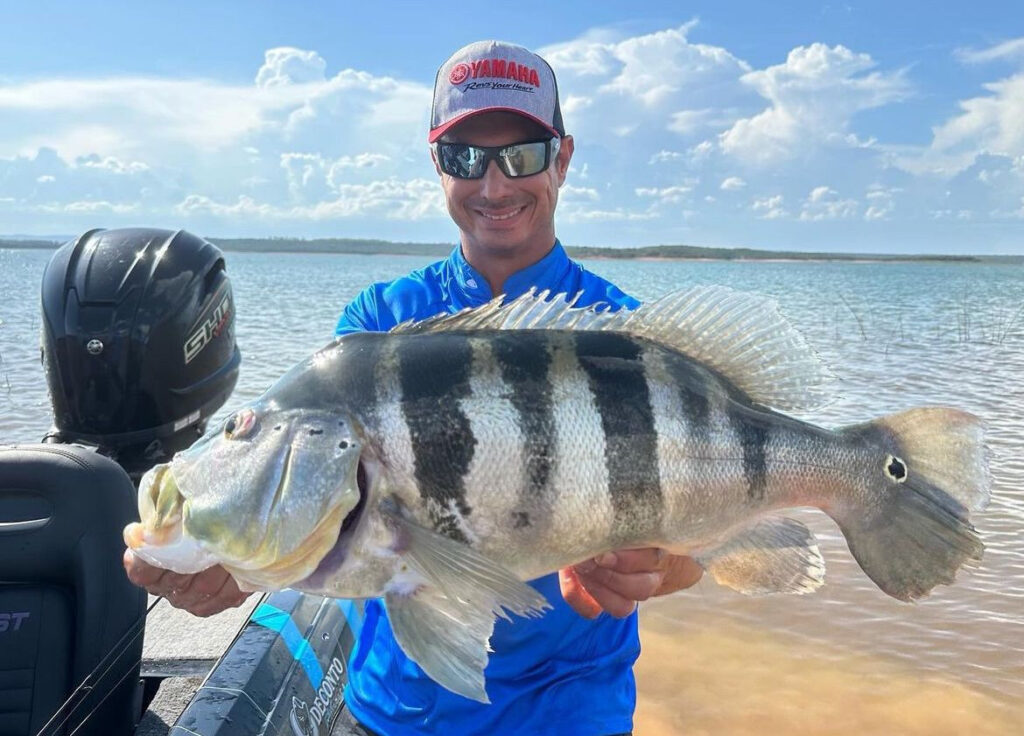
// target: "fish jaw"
[[159, 537], [275, 514]]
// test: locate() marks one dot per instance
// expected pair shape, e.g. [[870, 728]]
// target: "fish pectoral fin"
[[443, 606], [445, 637], [462, 573], [774, 555]]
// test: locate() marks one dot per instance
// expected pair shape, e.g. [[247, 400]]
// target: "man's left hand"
[[616, 581]]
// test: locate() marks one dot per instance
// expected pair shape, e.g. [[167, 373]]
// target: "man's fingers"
[[140, 573], [205, 585], [576, 595], [633, 560], [228, 596], [202, 594], [613, 603], [635, 586]]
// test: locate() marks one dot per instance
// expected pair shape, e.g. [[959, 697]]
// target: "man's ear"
[[564, 156], [433, 157]]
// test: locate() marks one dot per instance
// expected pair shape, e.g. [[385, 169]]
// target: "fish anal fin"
[[774, 555]]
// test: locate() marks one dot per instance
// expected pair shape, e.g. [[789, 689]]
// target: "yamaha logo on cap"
[[460, 73], [94, 347], [494, 75]]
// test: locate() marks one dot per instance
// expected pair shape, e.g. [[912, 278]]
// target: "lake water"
[[846, 659]]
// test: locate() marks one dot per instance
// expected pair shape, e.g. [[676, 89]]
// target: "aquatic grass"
[[961, 320], [5, 381]]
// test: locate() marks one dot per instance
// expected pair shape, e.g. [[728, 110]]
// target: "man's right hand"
[[202, 594]]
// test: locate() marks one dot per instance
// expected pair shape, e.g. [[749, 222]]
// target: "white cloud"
[[97, 207], [650, 82], [286, 65], [814, 96], [686, 122], [578, 194], [390, 199], [881, 202], [581, 214], [665, 195], [732, 184], [952, 214], [663, 123], [664, 156], [989, 124], [824, 203], [111, 164], [1012, 49], [769, 208], [126, 116], [702, 150]]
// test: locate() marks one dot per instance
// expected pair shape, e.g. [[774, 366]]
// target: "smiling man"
[[501, 152]]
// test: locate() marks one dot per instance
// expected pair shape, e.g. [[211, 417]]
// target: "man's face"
[[500, 217]]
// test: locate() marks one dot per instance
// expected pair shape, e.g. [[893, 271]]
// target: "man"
[[500, 149]]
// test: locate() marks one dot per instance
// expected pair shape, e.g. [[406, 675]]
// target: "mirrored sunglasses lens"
[[524, 159], [461, 161]]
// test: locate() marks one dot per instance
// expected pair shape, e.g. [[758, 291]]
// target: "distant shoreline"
[[345, 246]]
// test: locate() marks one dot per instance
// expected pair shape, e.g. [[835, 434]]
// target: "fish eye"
[[240, 425], [895, 468]]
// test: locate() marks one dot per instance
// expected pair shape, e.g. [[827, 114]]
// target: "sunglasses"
[[516, 160]]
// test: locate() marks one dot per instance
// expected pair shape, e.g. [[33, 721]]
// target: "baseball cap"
[[494, 75]]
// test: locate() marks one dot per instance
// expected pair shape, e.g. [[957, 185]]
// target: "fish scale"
[[509, 441]]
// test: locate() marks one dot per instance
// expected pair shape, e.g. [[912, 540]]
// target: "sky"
[[832, 126]]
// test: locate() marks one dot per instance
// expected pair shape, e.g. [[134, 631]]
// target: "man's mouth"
[[498, 215]]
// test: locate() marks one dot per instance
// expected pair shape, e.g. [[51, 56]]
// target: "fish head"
[[265, 495]]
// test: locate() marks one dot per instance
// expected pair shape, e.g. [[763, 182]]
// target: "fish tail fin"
[[916, 532]]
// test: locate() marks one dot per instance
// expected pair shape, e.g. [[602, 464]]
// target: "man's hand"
[[202, 594], [616, 581]]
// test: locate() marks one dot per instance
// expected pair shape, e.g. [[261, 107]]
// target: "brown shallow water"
[[717, 676]]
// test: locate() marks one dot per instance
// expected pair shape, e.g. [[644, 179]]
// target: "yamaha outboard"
[[139, 351]]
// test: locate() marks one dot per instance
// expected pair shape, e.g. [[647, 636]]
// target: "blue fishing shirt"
[[557, 674]]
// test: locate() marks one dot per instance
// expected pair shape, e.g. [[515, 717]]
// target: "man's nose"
[[494, 184]]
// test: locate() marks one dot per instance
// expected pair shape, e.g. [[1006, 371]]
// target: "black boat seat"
[[65, 601]]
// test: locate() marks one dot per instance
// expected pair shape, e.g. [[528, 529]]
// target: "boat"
[[139, 352]]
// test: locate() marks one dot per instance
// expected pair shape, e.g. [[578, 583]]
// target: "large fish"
[[443, 463]]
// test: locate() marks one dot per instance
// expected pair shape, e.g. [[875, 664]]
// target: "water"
[[846, 659]]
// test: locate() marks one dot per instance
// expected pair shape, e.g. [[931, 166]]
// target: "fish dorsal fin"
[[740, 335]]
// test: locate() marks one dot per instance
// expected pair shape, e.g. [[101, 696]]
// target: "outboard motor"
[[138, 342], [139, 350]]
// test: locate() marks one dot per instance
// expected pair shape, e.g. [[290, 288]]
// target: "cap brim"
[[445, 127]]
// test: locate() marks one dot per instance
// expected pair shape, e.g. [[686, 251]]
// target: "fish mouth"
[[337, 555], [357, 510]]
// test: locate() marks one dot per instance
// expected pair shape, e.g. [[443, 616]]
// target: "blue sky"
[[857, 126]]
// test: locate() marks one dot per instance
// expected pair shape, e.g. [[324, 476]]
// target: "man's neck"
[[496, 268]]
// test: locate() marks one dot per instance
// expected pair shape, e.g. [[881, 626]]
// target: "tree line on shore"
[[678, 252]]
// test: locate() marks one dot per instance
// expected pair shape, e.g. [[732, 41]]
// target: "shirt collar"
[[547, 273]]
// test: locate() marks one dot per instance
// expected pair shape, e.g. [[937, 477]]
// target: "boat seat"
[[65, 601]]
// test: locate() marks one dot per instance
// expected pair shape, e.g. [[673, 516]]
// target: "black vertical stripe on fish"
[[693, 388], [525, 364], [615, 370], [358, 380], [433, 379], [753, 437]]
